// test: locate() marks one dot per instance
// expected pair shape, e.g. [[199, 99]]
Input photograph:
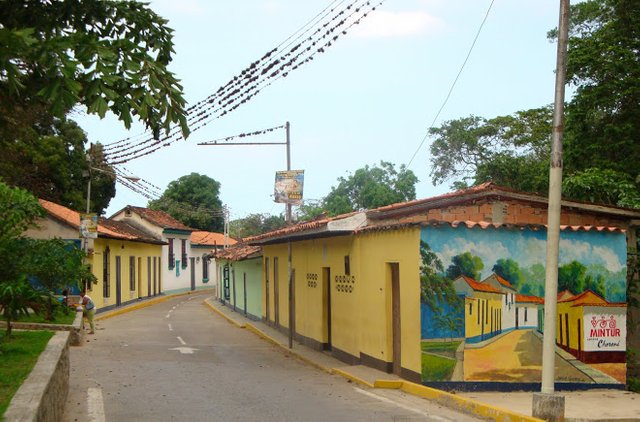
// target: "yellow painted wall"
[[374, 252], [124, 249], [473, 328], [574, 313], [360, 301]]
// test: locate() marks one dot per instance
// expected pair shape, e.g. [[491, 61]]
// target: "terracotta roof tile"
[[504, 282], [72, 218], [210, 238], [529, 299], [124, 229], [480, 287], [159, 218], [238, 252], [587, 297]]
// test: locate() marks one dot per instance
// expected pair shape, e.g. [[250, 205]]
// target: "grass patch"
[[18, 355], [59, 317], [439, 346], [437, 368]]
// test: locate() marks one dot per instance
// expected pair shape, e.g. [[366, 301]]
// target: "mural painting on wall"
[[482, 305]]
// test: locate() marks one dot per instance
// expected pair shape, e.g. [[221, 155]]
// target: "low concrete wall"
[[77, 333], [43, 395]]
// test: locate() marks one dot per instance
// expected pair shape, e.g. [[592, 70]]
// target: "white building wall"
[[177, 278], [508, 311], [527, 315]]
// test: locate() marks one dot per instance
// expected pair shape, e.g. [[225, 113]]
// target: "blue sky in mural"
[[527, 247]]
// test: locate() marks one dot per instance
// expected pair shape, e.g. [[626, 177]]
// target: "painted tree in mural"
[[435, 288], [573, 277], [465, 264], [510, 271]]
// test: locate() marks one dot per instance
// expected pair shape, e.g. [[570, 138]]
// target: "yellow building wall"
[[574, 314], [309, 257], [475, 325], [124, 249], [374, 253], [361, 318]]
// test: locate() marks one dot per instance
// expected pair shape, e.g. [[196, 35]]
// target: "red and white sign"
[[605, 328]]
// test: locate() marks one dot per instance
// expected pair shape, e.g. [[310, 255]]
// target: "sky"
[[371, 96]]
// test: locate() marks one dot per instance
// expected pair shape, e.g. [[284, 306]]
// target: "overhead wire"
[[453, 84], [255, 83]]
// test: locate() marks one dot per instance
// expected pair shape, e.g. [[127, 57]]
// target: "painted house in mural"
[[124, 259], [529, 312], [177, 274], [368, 286], [591, 328], [240, 274]]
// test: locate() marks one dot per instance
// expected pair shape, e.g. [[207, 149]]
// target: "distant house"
[[177, 274], [124, 258], [529, 312], [591, 328], [508, 315], [204, 244], [240, 275], [483, 309]]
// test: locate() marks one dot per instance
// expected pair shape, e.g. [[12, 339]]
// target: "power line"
[[453, 84], [209, 111]]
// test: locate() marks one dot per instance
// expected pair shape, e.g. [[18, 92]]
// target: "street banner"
[[89, 226], [288, 187]]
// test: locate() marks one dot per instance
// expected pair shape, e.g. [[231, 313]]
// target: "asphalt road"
[[178, 361]]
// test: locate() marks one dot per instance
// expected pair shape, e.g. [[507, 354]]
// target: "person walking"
[[88, 311]]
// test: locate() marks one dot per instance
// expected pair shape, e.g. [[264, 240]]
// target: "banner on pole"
[[89, 226], [288, 187]]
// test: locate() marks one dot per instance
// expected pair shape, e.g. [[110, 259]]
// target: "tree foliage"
[[56, 264], [194, 200], [51, 162], [19, 211], [107, 56], [602, 120], [435, 288], [473, 150], [465, 264], [255, 224], [371, 187], [510, 271]]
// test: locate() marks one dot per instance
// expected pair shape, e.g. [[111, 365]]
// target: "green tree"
[[571, 277], [603, 117], [255, 224], [19, 210], [107, 56], [310, 210], [371, 187], [435, 288], [194, 200], [504, 149], [465, 264], [56, 265], [510, 271], [51, 162]]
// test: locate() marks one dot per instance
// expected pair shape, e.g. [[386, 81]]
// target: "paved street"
[[178, 360]]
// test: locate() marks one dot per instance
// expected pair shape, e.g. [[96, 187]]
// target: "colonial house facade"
[[366, 286], [177, 272], [124, 259]]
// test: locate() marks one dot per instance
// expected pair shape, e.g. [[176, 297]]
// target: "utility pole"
[[546, 404], [288, 220]]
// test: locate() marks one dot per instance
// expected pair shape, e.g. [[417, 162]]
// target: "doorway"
[[326, 305], [139, 278], [393, 272], [118, 281], [192, 261]]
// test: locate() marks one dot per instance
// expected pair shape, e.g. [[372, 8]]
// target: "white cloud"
[[610, 259], [384, 24], [489, 256]]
